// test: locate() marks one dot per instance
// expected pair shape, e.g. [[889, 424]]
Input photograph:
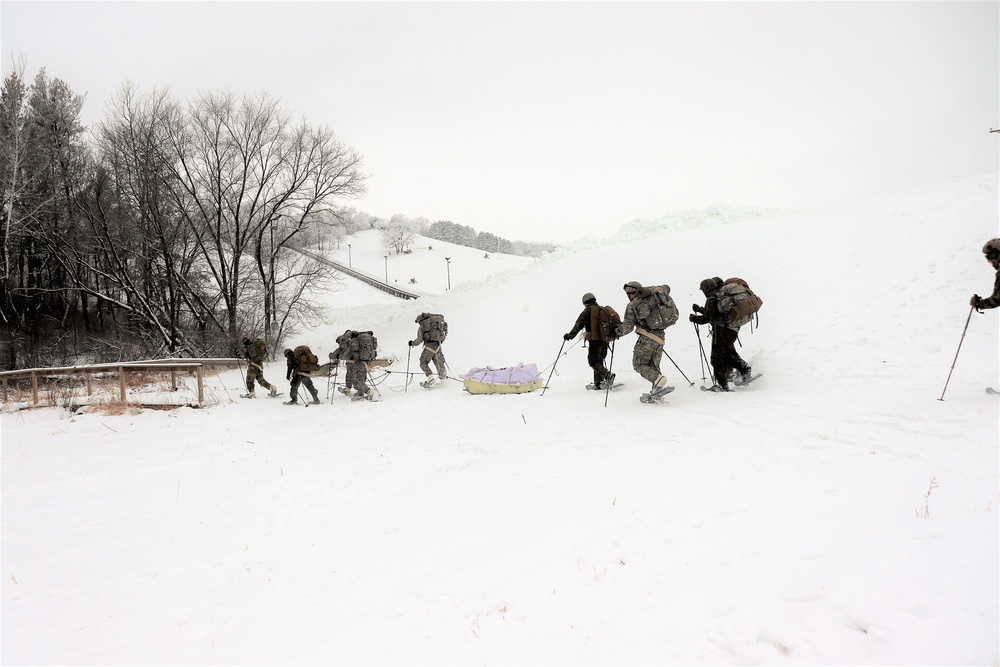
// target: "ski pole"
[[676, 366], [608, 381], [956, 352], [554, 366], [701, 351], [409, 349], [239, 363]]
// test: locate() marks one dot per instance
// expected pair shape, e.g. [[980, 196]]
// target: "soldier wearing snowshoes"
[[644, 314], [300, 363], [724, 358], [597, 351], [992, 253], [352, 347], [254, 351], [432, 331]]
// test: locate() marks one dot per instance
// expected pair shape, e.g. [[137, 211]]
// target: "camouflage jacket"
[[993, 300], [636, 312], [255, 352], [584, 322]]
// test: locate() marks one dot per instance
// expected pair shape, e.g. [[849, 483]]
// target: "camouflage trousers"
[[432, 353], [304, 380], [597, 352], [646, 355], [724, 354], [355, 376], [255, 372]]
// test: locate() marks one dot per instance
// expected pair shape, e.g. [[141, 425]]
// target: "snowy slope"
[[786, 523]]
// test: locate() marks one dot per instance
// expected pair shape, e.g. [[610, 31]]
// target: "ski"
[[991, 390]]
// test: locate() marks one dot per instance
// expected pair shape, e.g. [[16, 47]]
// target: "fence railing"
[[363, 277], [172, 366]]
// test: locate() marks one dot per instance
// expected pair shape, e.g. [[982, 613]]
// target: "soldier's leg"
[[722, 351], [596, 353], [307, 381], [251, 374], [425, 359], [293, 389], [440, 364], [645, 359]]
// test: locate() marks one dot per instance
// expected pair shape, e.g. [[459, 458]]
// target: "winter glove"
[[413, 343], [693, 318], [567, 337], [975, 301], [696, 308]]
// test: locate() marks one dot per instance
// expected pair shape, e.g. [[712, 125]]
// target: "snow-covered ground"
[[834, 512]]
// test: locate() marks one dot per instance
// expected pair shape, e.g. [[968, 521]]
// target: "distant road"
[[363, 277]]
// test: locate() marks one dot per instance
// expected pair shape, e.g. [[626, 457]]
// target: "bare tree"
[[248, 182]]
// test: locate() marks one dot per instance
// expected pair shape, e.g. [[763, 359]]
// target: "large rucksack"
[[367, 345], [308, 362], [663, 311], [603, 322], [435, 327], [737, 302]]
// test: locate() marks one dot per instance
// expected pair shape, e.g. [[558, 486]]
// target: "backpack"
[[308, 362], [367, 345], [603, 322], [435, 328], [663, 311], [737, 302]]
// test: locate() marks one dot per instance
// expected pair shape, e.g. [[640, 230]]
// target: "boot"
[[429, 382], [346, 391], [273, 392], [249, 394], [660, 386], [291, 402], [316, 400], [360, 396]]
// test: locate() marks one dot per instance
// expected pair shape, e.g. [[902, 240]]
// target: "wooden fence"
[[172, 366]]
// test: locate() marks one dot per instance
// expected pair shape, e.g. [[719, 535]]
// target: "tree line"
[[168, 229]]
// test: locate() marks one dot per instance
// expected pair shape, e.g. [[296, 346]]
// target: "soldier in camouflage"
[[725, 358], [597, 351], [254, 351], [357, 370], [992, 253], [427, 335], [298, 375], [649, 342]]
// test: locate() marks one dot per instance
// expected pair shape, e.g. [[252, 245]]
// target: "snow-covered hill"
[[834, 512]]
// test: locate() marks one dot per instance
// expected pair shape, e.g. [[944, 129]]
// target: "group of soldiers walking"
[[357, 349], [650, 311]]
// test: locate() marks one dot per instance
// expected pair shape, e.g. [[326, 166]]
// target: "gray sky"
[[550, 121]]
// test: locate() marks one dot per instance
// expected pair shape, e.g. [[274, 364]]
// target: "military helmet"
[[709, 285], [247, 341], [992, 249], [288, 352], [632, 287], [588, 297]]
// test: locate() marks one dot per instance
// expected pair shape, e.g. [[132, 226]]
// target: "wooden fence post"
[[201, 389], [121, 381], [34, 386]]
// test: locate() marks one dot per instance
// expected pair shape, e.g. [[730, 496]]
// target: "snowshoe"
[[991, 390], [743, 380], [717, 388], [291, 402], [656, 396]]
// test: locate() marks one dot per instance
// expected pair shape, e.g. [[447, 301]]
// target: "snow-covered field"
[[834, 512]]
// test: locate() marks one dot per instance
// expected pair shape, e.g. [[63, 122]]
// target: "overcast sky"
[[551, 121]]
